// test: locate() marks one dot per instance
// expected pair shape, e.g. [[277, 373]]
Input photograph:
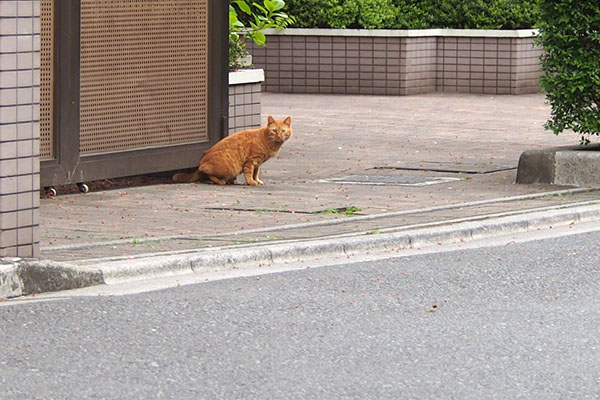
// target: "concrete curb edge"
[[23, 277], [219, 259]]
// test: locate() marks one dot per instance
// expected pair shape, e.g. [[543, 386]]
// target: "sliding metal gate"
[[130, 86]]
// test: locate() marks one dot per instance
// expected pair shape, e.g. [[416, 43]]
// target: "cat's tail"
[[188, 177]]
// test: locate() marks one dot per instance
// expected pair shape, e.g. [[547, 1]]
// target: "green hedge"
[[413, 14], [570, 34]]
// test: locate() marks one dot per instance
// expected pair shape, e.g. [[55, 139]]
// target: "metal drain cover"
[[388, 180], [454, 168]]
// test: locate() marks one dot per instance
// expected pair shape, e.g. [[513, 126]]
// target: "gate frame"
[[68, 166]]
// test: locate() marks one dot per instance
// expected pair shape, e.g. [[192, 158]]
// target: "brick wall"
[[401, 63], [19, 124]]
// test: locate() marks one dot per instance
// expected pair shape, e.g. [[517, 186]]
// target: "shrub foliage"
[[247, 23], [570, 35], [414, 14]]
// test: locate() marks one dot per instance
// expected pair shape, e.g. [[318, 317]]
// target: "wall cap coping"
[[243, 76], [517, 33]]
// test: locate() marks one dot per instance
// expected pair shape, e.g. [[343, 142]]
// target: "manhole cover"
[[387, 180]]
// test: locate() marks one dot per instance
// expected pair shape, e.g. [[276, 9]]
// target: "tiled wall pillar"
[[245, 88], [526, 66], [19, 124], [420, 74]]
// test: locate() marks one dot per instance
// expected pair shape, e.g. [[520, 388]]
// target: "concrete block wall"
[[19, 124], [399, 62]]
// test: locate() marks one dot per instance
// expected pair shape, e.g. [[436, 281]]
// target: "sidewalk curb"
[[226, 258], [23, 277], [331, 222]]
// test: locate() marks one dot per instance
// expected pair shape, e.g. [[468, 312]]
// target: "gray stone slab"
[[10, 284], [536, 166], [568, 166], [577, 168]]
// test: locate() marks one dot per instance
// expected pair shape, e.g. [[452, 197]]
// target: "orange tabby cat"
[[243, 151]]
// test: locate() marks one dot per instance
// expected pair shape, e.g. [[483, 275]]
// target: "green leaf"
[[274, 5], [261, 8], [262, 16], [244, 6], [259, 38]]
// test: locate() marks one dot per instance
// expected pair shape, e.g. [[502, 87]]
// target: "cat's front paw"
[[255, 182]]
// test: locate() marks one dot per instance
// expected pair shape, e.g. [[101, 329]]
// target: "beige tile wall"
[[527, 66], [19, 124], [326, 64], [398, 65], [244, 106], [420, 57], [475, 65]]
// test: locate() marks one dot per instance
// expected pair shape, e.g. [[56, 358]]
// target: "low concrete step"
[[571, 166]]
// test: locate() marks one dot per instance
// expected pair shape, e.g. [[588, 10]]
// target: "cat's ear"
[[288, 121], [270, 120]]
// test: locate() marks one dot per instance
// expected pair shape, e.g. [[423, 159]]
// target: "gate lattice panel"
[[130, 87], [143, 74]]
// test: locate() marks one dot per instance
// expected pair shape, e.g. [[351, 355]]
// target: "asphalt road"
[[520, 320]]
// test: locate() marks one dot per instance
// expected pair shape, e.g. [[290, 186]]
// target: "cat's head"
[[279, 131]]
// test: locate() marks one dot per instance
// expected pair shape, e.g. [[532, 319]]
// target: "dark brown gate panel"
[[46, 78], [144, 74], [133, 86]]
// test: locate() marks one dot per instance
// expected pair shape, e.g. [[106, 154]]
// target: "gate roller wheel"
[[83, 188], [50, 191]]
